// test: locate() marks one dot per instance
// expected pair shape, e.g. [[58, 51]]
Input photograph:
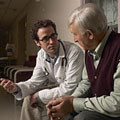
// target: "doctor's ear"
[[90, 34], [37, 43]]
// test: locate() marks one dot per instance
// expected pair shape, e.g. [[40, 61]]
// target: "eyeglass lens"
[[46, 38]]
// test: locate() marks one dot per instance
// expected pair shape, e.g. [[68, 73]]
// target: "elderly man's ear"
[[90, 34], [37, 43]]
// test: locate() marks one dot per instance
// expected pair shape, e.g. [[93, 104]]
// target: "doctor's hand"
[[34, 100], [8, 85], [58, 108]]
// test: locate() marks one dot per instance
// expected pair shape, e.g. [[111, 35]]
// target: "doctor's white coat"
[[66, 72]]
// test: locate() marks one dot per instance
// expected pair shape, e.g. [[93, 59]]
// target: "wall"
[[3, 41], [110, 8], [57, 10]]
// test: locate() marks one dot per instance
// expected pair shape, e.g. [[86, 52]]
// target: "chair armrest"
[[22, 70], [5, 68], [15, 69], [10, 67]]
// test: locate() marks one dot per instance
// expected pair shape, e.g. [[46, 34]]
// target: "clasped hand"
[[58, 108]]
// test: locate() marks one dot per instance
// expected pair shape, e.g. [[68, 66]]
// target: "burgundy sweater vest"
[[101, 79]]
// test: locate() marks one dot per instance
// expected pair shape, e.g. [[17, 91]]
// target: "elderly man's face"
[[48, 40], [84, 39]]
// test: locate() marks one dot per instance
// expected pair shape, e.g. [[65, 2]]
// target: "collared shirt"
[[98, 51], [52, 60], [108, 105]]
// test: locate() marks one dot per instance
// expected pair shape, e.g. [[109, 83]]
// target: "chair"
[[22, 74], [9, 70]]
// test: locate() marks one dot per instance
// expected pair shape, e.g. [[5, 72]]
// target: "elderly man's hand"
[[60, 107]]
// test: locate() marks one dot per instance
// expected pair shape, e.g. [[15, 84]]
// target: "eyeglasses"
[[46, 38]]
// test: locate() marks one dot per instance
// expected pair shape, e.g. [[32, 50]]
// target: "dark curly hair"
[[41, 24]]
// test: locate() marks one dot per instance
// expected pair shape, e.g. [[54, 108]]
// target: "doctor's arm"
[[33, 84]]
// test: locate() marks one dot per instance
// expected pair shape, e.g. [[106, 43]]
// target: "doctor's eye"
[[47, 38]]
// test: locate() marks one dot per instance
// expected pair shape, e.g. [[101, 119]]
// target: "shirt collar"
[[98, 51]]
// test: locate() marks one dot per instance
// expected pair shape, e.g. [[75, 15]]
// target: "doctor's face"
[[48, 40]]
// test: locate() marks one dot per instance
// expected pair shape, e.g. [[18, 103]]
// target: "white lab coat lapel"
[[59, 70], [47, 66]]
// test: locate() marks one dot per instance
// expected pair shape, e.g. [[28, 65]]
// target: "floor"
[[8, 109]]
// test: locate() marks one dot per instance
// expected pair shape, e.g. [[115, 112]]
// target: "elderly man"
[[97, 96]]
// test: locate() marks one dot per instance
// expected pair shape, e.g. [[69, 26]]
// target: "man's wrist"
[[17, 90], [71, 102]]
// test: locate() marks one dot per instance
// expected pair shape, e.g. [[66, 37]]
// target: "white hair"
[[89, 16]]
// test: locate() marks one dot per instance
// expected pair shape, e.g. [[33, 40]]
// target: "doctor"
[[57, 62]]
